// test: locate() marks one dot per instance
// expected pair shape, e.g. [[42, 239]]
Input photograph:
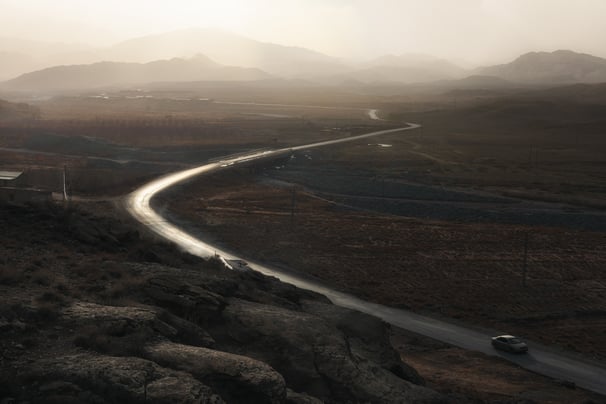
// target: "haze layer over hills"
[[104, 74], [216, 55], [561, 66]]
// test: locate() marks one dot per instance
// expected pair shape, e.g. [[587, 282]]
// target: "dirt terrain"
[[93, 312], [472, 374], [473, 272], [110, 156], [434, 221]]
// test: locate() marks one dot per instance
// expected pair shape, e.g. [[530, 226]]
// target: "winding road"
[[562, 366]]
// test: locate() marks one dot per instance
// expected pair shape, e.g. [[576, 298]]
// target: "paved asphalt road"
[[563, 366]]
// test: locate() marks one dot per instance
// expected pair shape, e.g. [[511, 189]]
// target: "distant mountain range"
[[215, 55], [229, 49], [113, 74], [559, 67], [224, 47]]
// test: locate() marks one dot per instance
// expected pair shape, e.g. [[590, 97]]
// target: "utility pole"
[[533, 157], [525, 262], [65, 196], [383, 187], [292, 206]]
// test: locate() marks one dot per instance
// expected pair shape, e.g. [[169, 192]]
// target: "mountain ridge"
[[107, 74], [558, 67], [227, 48], [561, 67]]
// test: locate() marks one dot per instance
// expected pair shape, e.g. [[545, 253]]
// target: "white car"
[[509, 343]]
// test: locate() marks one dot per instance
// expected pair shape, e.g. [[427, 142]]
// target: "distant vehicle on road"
[[509, 343], [237, 265]]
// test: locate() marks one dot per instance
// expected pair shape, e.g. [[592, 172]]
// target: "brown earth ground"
[[422, 261], [472, 374], [52, 258], [466, 271], [87, 304]]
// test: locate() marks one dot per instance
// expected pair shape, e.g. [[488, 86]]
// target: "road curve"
[[560, 366]]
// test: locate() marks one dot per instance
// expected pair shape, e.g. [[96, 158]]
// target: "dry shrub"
[[10, 276], [114, 339], [47, 311], [48, 305], [42, 279], [50, 297]]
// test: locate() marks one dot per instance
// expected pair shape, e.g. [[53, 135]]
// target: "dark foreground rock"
[[212, 335], [81, 325], [314, 356], [235, 377], [89, 378]]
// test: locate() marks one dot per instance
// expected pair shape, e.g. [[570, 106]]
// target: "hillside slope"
[[559, 67], [104, 74]]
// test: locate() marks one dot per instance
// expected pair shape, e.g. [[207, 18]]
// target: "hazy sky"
[[478, 31]]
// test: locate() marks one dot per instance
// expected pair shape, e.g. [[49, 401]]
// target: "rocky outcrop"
[[367, 336], [237, 378], [119, 323], [293, 397], [313, 355], [184, 298], [212, 335], [113, 331], [203, 292], [105, 379]]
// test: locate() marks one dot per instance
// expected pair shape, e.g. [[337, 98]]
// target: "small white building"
[[11, 189], [9, 178]]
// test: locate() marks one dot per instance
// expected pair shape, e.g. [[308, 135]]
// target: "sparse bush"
[[42, 279], [47, 311], [61, 287], [120, 291], [115, 273], [10, 276], [50, 297], [30, 343], [114, 339], [48, 306]]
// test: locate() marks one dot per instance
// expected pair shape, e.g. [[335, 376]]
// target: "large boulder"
[[367, 337], [292, 397], [237, 378], [184, 298], [184, 291], [106, 327], [88, 378], [313, 355]]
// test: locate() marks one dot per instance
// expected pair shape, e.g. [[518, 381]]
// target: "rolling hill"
[[226, 48], [559, 67], [566, 111], [109, 74]]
